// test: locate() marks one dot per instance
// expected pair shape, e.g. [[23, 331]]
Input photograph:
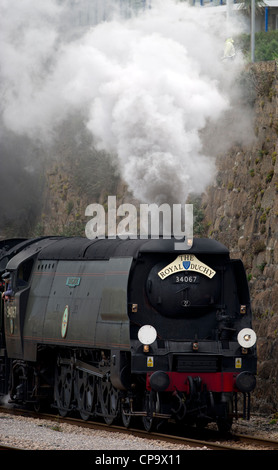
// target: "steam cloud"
[[146, 86]]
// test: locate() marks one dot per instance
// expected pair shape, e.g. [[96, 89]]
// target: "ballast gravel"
[[38, 434]]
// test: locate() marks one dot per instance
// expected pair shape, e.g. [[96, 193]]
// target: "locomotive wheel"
[[18, 390], [126, 418], [151, 405], [84, 393], [224, 423], [108, 397], [63, 388]]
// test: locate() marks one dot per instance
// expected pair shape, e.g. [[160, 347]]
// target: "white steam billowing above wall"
[[146, 86]]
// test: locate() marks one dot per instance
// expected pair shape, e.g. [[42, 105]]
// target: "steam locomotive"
[[130, 329]]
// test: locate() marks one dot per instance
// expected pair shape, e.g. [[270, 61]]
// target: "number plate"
[[186, 279]]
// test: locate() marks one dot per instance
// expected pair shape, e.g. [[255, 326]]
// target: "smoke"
[[146, 86]]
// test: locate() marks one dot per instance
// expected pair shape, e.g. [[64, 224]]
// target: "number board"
[[186, 279]]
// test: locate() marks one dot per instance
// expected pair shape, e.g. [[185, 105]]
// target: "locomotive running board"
[[80, 365]]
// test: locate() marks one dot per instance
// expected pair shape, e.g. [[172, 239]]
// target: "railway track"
[[256, 441], [210, 439], [234, 442], [4, 447], [169, 438]]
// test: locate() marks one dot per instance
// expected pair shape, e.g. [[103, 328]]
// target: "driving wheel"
[[63, 388], [85, 393], [108, 397]]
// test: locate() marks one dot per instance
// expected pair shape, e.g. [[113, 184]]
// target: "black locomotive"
[[126, 328]]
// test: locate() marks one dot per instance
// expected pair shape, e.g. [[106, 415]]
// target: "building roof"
[[270, 3]]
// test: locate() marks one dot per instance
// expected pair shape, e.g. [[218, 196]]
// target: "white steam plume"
[[146, 86]]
